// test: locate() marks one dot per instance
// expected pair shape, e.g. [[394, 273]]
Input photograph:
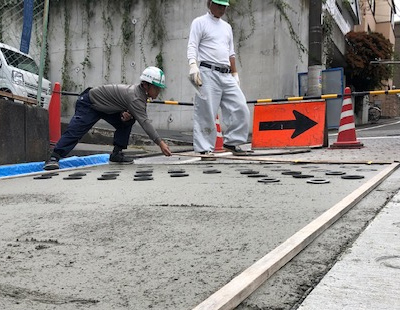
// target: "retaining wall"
[[24, 133]]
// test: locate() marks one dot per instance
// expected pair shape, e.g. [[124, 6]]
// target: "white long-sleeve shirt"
[[210, 40]]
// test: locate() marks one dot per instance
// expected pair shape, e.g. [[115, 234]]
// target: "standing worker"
[[212, 64], [120, 106]]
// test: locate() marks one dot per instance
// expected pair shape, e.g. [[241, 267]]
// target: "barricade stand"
[[219, 142], [55, 115], [347, 129]]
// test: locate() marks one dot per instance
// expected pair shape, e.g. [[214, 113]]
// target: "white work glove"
[[194, 73], [236, 77]]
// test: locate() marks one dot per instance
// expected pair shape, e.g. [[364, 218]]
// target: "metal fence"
[[23, 56]]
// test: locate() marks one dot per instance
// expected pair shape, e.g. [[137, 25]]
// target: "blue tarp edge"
[[69, 162]]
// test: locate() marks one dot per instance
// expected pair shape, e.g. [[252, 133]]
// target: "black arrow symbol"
[[301, 124]]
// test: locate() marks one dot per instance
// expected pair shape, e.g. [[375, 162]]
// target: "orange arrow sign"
[[289, 124], [301, 124]]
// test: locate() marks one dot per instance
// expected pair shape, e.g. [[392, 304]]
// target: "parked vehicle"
[[374, 114], [19, 75]]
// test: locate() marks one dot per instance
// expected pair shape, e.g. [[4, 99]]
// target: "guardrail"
[[327, 96]]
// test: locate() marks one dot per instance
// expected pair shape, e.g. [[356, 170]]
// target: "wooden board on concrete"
[[233, 293], [283, 160]]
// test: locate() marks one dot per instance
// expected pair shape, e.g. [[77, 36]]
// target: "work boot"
[[118, 158], [236, 150], [51, 164], [208, 158]]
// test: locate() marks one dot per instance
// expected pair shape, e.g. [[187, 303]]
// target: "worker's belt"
[[212, 67]]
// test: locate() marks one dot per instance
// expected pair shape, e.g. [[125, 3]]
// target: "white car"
[[19, 75]]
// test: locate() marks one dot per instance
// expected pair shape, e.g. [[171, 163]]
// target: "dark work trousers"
[[84, 119]]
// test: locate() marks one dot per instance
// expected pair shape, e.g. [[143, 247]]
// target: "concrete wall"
[[268, 59], [24, 133]]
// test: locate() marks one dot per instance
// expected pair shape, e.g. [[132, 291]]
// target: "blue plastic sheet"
[[69, 162]]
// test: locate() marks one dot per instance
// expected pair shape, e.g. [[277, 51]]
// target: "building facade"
[[108, 41], [378, 16]]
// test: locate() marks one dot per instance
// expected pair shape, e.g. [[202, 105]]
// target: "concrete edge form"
[[239, 288]]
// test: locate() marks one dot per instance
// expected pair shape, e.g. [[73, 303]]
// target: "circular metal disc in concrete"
[[211, 171], [110, 175], [249, 172], [179, 175], [72, 178], [352, 177], [291, 172], [144, 171], [173, 171], [43, 177], [257, 175], [143, 175], [77, 174], [302, 176], [143, 178], [318, 181], [335, 173], [268, 180]]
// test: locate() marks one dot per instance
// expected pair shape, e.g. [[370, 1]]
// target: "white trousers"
[[219, 90]]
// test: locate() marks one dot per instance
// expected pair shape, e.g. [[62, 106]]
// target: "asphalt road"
[[170, 242]]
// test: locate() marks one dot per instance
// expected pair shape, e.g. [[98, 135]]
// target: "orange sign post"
[[289, 124]]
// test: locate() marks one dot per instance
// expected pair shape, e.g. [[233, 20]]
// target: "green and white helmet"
[[154, 75], [221, 2]]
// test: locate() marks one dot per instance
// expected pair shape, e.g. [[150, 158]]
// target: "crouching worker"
[[120, 106]]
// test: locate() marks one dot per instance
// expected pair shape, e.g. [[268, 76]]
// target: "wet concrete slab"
[[165, 243]]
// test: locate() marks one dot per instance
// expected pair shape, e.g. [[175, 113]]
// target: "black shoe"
[[51, 164], [236, 150], [120, 159], [211, 158]]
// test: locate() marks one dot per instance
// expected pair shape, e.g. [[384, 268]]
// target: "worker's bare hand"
[[126, 116], [165, 149]]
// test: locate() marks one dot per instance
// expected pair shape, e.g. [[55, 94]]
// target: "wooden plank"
[[237, 290], [19, 98], [282, 160]]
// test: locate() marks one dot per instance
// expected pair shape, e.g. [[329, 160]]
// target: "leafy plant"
[[1, 25], [239, 13], [282, 7], [108, 30], [154, 29], [346, 4], [362, 48], [127, 32], [86, 63], [327, 33]]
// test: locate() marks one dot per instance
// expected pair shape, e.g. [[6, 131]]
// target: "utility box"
[[332, 83]]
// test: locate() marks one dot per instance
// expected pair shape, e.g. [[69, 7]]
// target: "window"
[[20, 61]]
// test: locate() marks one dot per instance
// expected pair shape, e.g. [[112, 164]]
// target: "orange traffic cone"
[[55, 115], [347, 129], [219, 142]]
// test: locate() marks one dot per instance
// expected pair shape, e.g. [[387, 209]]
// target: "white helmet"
[[154, 75]]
